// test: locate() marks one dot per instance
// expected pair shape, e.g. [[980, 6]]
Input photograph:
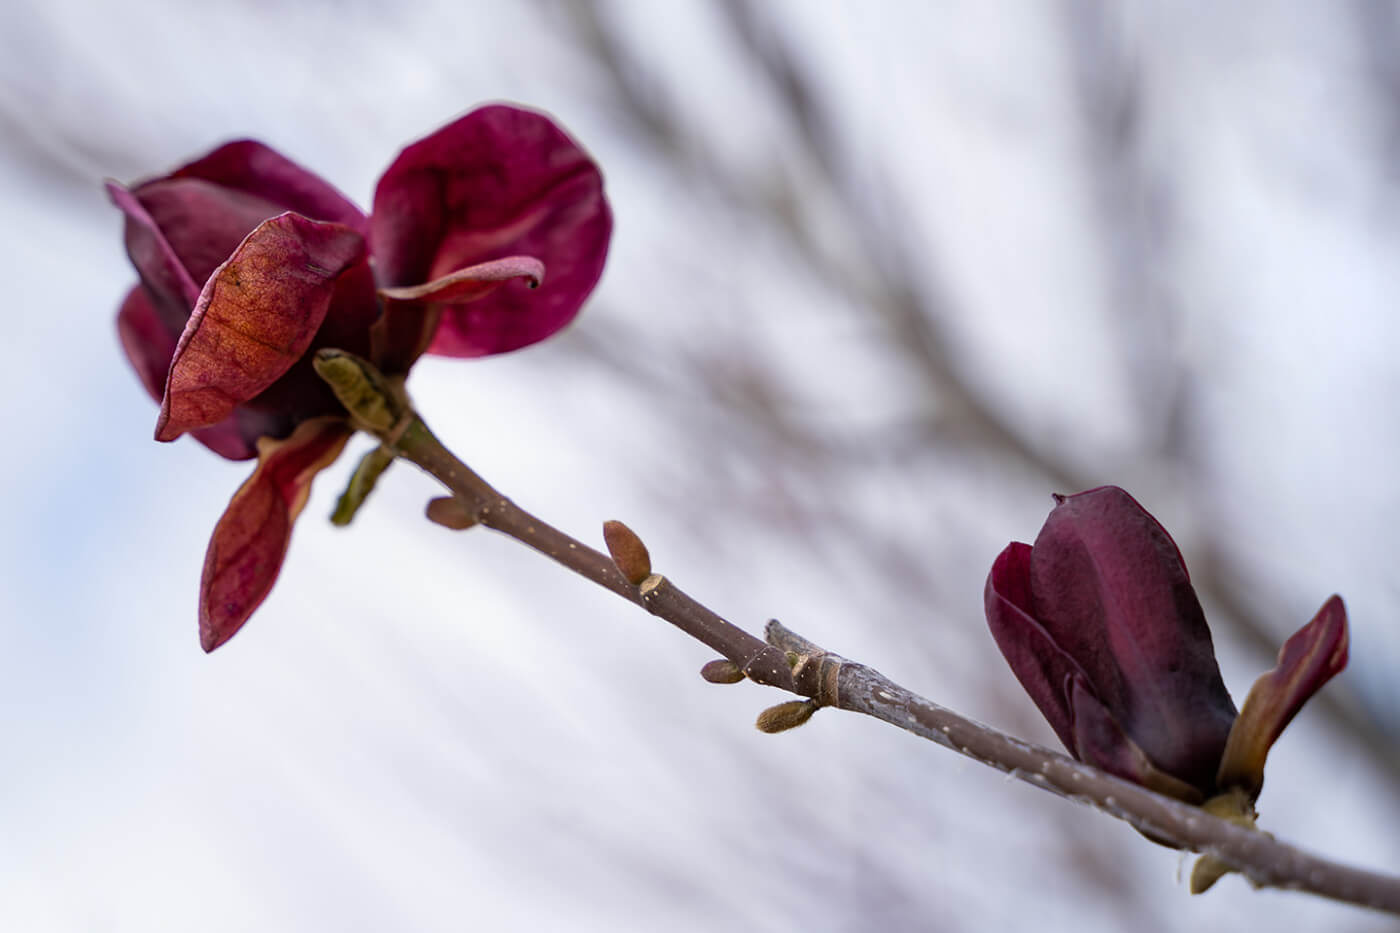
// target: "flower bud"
[[1099, 622], [360, 388], [786, 716], [722, 671], [449, 512], [628, 552]]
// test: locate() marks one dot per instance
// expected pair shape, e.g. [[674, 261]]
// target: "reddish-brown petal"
[[256, 316], [149, 347], [1035, 659], [249, 543], [498, 182], [249, 166], [1314, 655], [411, 313], [354, 308]]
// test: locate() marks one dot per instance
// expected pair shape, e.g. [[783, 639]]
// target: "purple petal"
[[165, 276], [249, 543], [202, 222], [248, 166], [1314, 655], [1035, 659], [235, 438], [256, 316], [412, 313], [1110, 588], [1100, 741], [498, 182], [148, 343]]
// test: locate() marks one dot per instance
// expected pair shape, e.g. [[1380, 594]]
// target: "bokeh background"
[[885, 276]]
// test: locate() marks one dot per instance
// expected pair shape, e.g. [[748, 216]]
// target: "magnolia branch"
[[789, 662]]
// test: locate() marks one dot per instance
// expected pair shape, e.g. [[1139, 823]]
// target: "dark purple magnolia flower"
[[249, 264], [1099, 622]]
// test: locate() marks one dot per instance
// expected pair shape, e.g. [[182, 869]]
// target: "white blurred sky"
[[427, 731]]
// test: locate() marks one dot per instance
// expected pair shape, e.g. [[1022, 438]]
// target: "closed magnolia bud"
[[786, 716], [1099, 622], [628, 552]]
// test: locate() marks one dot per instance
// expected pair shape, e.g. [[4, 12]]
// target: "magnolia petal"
[[1312, 656], [235, 438], [498, 182], [1111, 589], [354, 309], [161, 269], [1035, 659], [1099, 740], [249, 543], [149, 347], [411, 313], [256, 316], [249, 166]]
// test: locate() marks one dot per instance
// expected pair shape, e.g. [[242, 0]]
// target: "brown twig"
[[789, 662]]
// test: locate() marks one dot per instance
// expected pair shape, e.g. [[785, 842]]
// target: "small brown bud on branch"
[[722, 671], [449, 512], [786, 716], [628, 552]]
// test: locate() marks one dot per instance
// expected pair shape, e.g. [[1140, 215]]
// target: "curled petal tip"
[[473, 282]]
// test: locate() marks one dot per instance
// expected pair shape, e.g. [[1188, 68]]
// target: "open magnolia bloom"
[[1100, 624], [249, 264]]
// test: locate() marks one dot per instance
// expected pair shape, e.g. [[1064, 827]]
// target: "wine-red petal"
[[1100, 740], [250, 541], [1035, 659], [499, 182], [250, 166], [256, 316]]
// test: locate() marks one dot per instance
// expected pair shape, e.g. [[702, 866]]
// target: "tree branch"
[[789, 662]]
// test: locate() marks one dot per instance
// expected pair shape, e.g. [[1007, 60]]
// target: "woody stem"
[[789, 662]]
